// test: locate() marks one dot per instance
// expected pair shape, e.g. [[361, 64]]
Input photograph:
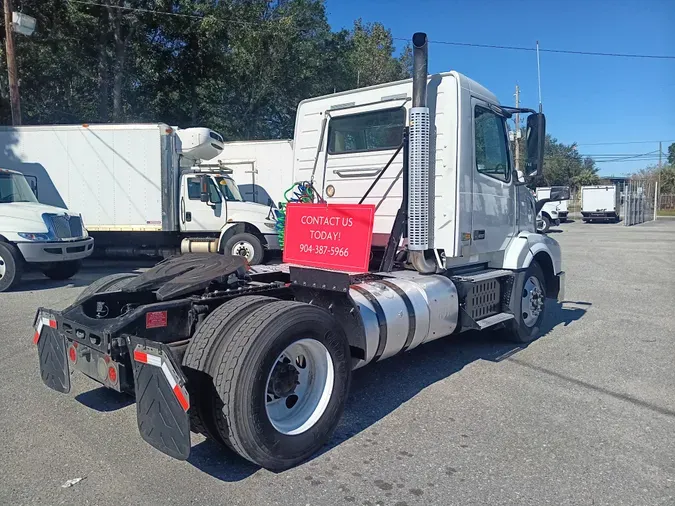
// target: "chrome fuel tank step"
[[399, 314]]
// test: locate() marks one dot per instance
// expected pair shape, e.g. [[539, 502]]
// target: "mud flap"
[[162, 401], [52, 354]]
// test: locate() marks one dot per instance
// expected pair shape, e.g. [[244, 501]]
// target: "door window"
[[195, 189], [492, 156]]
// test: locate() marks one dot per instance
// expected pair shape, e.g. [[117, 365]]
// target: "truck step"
[[479, 276], [494, 320]]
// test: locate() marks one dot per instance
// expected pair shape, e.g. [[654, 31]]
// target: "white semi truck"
[[260, 359], [600, 203], [50, 239], [141, 189]]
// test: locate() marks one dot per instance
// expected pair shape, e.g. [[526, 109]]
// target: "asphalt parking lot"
[[584, 415]]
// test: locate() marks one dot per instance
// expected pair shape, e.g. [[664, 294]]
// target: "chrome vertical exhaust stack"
[[420, 217]]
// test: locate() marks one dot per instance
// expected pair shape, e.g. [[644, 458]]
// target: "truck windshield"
[[15, 188], [229, 189]]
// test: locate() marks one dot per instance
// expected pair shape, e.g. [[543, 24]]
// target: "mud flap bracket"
[[162, 401]]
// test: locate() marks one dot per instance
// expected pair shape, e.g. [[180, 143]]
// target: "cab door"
[[198, 216], [493, 217]]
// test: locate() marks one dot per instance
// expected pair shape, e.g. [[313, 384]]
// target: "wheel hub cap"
[[299, 386], [3, 269], [243, 249], [532, 301], [283, 380]]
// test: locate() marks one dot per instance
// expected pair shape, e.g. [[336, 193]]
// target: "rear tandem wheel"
[[283, 377]]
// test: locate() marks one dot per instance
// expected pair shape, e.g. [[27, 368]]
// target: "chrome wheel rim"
[[299, 387], [3, 268], [243, 249], [533, 301]]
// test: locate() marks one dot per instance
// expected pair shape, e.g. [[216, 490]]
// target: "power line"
[[534, 49], [620, 143]]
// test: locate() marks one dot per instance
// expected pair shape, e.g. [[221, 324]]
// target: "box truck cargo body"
[[263, 169], [139, 188], [600, 203]]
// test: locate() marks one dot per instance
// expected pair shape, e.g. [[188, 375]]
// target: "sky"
[[590, 100]]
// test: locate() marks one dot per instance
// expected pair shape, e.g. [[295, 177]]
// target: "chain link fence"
[[639, 198]]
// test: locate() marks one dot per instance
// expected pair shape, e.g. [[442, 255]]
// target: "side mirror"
[[560, 193], [204, 189], [535, 137]]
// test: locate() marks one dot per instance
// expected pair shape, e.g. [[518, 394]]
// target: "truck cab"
[[210, 202], [50, 239]]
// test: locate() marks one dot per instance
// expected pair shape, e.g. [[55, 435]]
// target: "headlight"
[[270, 225], [35, 237]]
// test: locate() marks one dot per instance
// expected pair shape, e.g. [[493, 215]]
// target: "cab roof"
[[7, 171]]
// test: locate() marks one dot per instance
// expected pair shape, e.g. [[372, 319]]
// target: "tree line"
[[237, 66]]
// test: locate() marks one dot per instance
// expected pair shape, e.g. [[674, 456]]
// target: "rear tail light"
[[112, 373]]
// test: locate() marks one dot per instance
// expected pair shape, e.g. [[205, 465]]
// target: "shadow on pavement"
[[104, 400], [220, 462]]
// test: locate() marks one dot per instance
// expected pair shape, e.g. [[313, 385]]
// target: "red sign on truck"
[[332, 236]]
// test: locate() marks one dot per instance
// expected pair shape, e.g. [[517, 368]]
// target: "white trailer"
[[265, 366], [263, 169], [138, 188], [600, 203]]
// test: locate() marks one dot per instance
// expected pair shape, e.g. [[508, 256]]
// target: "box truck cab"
[[50, 239], [211, 201]]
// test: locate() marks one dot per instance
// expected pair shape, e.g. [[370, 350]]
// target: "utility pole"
[[517, 129], [11, 66]]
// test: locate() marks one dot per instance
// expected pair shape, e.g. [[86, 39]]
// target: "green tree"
[[671, 155]]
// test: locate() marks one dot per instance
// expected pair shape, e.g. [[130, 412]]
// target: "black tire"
[[516, 329], [62, 270], [242, 239], [241, 382], [110, 283], [547, 224], [11, 266], [204, 349]]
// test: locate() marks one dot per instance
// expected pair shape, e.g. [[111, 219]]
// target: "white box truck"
[[600, 203], [560, 206], [50, 239], [140, 188], [262, 169], [261, 360]]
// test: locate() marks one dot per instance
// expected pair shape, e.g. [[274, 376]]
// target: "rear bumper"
[[599, 214], [57, 251], [157, 381]]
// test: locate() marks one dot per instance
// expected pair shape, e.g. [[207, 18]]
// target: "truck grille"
[[64, 227]]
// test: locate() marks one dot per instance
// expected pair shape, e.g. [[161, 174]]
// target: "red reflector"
[[112, 374], [52, 323], [72, 354], [181, 398], [36, 337], [156, 319], [139, 356]]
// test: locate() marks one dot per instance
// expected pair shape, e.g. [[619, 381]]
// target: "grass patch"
[[666, 212]]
